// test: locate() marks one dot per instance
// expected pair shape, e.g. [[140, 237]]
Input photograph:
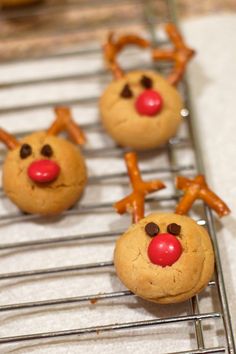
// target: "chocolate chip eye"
[[152, 229], [47, 150], [146, 82], [126, 92], [174, 229], [25, 151]]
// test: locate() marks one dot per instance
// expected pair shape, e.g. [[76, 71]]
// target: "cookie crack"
[[138, 255]]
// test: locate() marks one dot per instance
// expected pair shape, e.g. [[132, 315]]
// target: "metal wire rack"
[[203, 324]]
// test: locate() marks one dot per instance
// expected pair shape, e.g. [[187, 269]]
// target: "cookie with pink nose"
[[142, 109], [43, 173]]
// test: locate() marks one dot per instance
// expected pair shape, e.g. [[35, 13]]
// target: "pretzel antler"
[[65, 122], [8, 139], [181, 54], [198, 189], [135, 201], [112, 48]]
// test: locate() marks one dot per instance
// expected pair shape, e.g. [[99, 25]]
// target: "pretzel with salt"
[[113, 47], [198, 189], [65, 122], [181, 54], [135, 201]]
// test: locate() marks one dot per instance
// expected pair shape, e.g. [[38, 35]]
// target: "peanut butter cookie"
[[45, 174], [146, 268]]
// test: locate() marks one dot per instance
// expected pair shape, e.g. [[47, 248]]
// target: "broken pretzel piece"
[[65, 122], [198, 189], [9, 140], [113, 47], [181, 54], [135, 201]]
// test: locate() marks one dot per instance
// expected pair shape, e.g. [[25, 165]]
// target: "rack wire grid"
[[60, 62]]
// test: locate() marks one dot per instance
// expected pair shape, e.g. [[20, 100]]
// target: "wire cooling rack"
[[78, 304]]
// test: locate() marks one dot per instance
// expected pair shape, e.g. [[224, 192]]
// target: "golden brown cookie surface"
[[169, 284], [51, 197], [126, 126]]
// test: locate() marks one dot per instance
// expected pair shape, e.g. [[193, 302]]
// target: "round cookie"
[[187, 276], [38, 153], [120, 106]]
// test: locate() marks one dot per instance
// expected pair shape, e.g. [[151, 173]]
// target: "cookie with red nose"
[[142, 109], [164, 258], [41, 182], [146, 117], [45, 174]]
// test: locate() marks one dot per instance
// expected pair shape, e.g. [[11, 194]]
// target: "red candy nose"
[[149, 103], [164, 250], [43, 171]]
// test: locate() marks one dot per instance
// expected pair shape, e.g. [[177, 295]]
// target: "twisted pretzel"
[[135, 201], [181, 54], [198, 189], [65, 122], [8, 139], [113, 47]]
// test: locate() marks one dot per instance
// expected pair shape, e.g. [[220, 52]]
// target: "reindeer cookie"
[[141, 109], [165, 257], [43, 173]]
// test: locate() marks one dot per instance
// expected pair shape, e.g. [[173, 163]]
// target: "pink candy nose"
[[149, 103], [43, 171]]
